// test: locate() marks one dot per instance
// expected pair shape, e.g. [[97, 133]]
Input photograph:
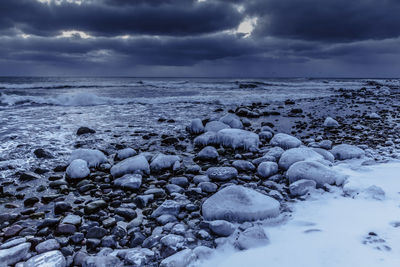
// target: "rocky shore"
[[170, 199]]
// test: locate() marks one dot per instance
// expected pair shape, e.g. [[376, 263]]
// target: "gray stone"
[[163, 162], [96, 232], [170, 207], [208, 138], [13, 243], [181, 181], [285, 141], [302, 187], [196, 127], [294, 155], [243, 165], [72, 219], [275, 152], [102, 261], [129, 181], [15, 254], [138, 256], [49, 259], [125, 153], [180, 259], [208, 187], [208, 153], [239, 204], [232, 120], [267, 169], [93, 157], [222, 228], [330, 123], [236, 138], [137, 164], [222, 173], [78, 169], [251, 238], [345, 151], [47, 245], [215, 126]]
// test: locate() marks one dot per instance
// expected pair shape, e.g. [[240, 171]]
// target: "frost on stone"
[[236, 203], [215, 126], [294, 155], [196, 127], [163, 162], [285, 141], [236, 138], [137, 164], [345, 151], [232, 120], [208, 138], [311, 170], [78, 169], [125, 153], [93, 157]]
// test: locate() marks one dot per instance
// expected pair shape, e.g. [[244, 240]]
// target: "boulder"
[[208, 138], [208, 153], [294, 155], [125, 153], [302, 187], [345, 151], [52, 258], [243, 165], [93, 157], [78, 169], [232, 120], [311, 170], [222, 228], [137, 164], [163, 162], [251, 238], [222, 173], [330, 123], [236, 138], [215, 126], [236, 203], [196, 127], [12, 255], [85, 130], [129, 181], [267, 169], [169, 207], [285, 141], [325, 154]]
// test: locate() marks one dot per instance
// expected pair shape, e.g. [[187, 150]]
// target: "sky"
[[206, 38]]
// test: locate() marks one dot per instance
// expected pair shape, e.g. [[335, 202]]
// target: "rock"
[[78, 169], [127, 213], [40, 153], [172, 241], [181, 181], [28, 176], [302, 187], [85, 130], [372, 192], [200, 178], [294, 155], [49, 259], [325, 144], [136, 165], [345, 151], [96, 232], [267, 169], [163, 162], [125, 153], [129, 181], [222, 173], [238, 204], [374, 116], [170, 207], [61, 207], [196, 127], [203, 252], [325, 154], [180, 259], [72, 219], [222, 228], [29, 202], [330, 123], [93, 157], [208, 153], [138, 256], [243, 165], [236, 138], [208, 187], [95, 206], [15, 254], [251, 238], [208, 138], [285, 141], [102, 261], [232, 120], [50, 244], [13, 243], [215, 126], [311, 170], [275, 152], [66, 229]]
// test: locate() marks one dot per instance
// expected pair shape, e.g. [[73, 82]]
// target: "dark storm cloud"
[[110, 18]]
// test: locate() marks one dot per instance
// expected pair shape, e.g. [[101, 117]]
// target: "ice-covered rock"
[[312, 170], [267, 169], [325, 154], [163, 162], [330, 123], [251, 238], [208, 138], [372, 192], [236, 203], [236, 138], [208, 153], [78, 169], [345, 151], [232, 120], [302, 187], [12, 255], [285, 141], [222, 227], [180, 259], [125, 153], [215, 126], [129, 181], [294, 155], [222, 173], [93, 157], [196, 127], [52, 258], [137, 164]]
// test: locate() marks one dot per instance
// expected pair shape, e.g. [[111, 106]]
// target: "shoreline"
[[126, 205]]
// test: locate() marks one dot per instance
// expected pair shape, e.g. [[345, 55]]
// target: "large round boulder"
[[232, 120], [285, 141], [137, 164], [78, 169], [294, 155], [93, 157], [345, 151], [236, 203]]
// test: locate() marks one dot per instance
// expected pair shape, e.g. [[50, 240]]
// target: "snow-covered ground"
[[331, 229]]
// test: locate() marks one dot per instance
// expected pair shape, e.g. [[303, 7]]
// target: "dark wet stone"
[[28, 176], [49, 222], [109, 242], [77, 238], [127, 213], [136, 240], [67, 229], [95, 206], [42, 154], [61, 207], [12, 230], [92, 243], [85, 130], [96, 232], [29, 202]]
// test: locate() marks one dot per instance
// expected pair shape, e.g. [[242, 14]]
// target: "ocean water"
[[43, 112]]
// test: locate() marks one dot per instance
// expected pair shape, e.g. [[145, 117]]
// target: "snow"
[[329, 229], [236, 138]]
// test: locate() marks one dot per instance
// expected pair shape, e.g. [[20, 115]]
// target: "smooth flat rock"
[[125, 153], [345, 151], [15, 254], [232, 120], [236, 203], [301, 187], [294, 155], [163, 162], [222, 173], [48, 259], [251, 238], [237, 138], [267, 169], [137, 164], [285, 141], [129, 181], [93, 157]]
